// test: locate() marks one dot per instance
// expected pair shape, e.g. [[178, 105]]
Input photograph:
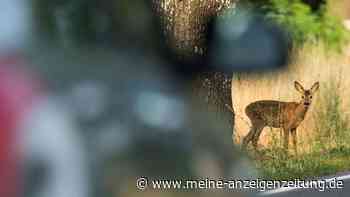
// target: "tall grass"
[[309, 64], [332, 128], [324, 135], [329, 150], [340, 8]]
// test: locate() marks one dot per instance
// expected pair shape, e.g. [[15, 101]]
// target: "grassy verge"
[[308, 165]]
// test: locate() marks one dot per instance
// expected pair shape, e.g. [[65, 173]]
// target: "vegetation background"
[[319, 53]]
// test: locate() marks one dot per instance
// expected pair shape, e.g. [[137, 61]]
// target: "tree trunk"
[[184, 23]]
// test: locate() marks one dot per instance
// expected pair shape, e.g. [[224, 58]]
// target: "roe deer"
[[276, 114]]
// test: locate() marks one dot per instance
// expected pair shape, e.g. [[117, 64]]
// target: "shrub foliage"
[[303, 24]]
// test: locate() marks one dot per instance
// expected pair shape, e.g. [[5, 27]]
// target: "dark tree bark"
[[184, 23]]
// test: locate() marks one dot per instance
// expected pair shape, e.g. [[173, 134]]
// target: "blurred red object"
[[18, 91]]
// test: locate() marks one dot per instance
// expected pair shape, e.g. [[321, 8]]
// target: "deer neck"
[[301, 110]]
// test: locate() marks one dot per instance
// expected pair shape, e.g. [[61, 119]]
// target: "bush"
[[303, 25]]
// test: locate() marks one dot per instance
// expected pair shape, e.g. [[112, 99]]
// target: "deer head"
[[306, 95]]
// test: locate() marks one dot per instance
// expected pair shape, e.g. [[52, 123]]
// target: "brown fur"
[[277, 114]]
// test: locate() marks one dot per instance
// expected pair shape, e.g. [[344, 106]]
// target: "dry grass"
[[310, 64], [340, 8]]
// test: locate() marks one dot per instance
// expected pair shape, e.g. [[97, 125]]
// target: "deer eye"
[[302, 97], [311, 97]]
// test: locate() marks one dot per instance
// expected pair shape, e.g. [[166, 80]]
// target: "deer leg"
[[256, 137], [294, 138], [286, 139]]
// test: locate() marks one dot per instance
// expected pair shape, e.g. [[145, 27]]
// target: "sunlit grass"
[[324, 134], [309, 64], [305, 166]]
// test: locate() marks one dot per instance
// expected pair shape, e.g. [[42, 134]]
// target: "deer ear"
[[299, 87], [315, 87]]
